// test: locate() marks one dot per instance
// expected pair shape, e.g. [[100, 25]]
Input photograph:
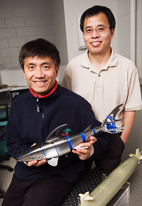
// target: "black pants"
[[111, 157], [41, 192]]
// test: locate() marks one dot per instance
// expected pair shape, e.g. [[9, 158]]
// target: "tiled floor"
[[5, 176]]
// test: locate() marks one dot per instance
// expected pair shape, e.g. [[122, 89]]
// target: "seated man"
[[36, 114]]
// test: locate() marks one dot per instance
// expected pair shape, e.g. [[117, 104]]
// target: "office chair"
[[6, 156], [1, 190], [3, 112], [3, 150]]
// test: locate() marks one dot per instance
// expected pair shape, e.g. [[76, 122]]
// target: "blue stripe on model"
[[56, 147], [69, 142], [112, 125], [31, 154], [21, 157], [94, 131], [83, 137], [43, 151]]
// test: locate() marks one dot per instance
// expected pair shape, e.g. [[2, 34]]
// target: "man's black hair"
[[96, 10], [40, 48]]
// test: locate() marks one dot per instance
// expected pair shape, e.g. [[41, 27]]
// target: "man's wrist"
[[91, 152]]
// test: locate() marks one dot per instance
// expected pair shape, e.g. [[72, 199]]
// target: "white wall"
[[139, 37], [22, 21], [73, 9], [59, 29], [123, 24]]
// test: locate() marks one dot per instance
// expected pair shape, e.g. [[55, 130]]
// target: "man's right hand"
[[36, 163]]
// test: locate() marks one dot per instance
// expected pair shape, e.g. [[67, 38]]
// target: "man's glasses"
[[98, 29]]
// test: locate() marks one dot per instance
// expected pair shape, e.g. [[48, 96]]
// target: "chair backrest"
[[1, 134], [3, 112], [3, 147]]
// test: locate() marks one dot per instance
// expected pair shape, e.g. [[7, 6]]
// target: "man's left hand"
[[84, 154]]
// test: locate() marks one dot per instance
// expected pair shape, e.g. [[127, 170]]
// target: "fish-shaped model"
[[56, 146]]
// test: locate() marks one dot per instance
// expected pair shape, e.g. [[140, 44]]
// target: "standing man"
[[33, 116], [105, 79]]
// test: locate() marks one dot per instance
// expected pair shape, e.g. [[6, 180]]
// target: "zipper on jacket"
[[42, 122], [38, 108]]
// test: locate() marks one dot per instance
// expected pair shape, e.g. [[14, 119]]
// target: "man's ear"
[[24, 75], [57, 70], [112, 32]]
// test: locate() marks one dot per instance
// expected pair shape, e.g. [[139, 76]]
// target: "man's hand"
[[36, 163], [83, 154]]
